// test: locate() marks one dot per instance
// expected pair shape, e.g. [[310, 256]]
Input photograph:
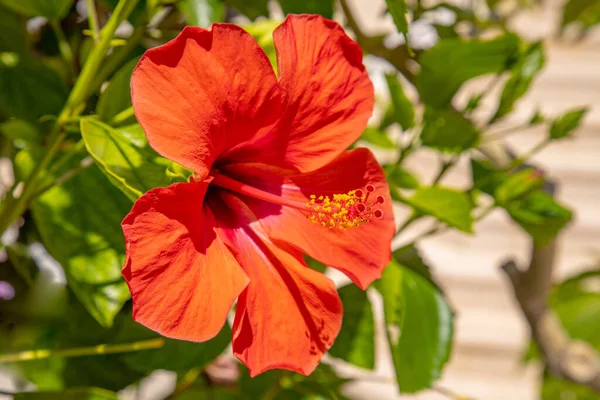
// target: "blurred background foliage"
[[74, 159]]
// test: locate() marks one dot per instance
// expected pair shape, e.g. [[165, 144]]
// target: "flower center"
[[340, 211]]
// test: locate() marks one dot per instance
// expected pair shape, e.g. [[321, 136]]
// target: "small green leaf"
[[448, 131], [419, 325], [567, 123], [356, 341], [322, 7], [79, 222], [314, 264], [530, 63], [377, 138], [452, 62], [540, 215], [53, 9], [23, 134], [70, 394], [28, 89], [399, 12], [450, 206], [485, 177], [116, 97], [202, 12], [125, 156], [403, 110], [517, 185], [401, 178]]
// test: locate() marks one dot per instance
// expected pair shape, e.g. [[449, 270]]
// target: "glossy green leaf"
[[450, 206], [567, 123], [448, 131], [419, 325], [251, 8], [401, 178], [53, 9], [529, 65], [80, 224], [356, 341], [28, 89], [323, 7], [452, 62], [125, 156], [403, 110], [517, 185], [202, 12], [13, 34], [377, 138], [399, 12], [540, 215], [23, 134], [70, 394], [116, 97]]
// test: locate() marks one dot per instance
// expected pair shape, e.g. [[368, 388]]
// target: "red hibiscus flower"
[[272, 180]]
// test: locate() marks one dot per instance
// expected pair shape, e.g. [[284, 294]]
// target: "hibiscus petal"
[[182, 277], [289, 315], [361, 253], [330, 97], [203, 93]]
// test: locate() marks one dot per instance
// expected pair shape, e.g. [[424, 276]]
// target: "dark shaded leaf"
[[13, 35], [71, 394], [250, 8], [403, 110], [23, 134], [52, 9], [356, 341], [323, 7], [116, 97]]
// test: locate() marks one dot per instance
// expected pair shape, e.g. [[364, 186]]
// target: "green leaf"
[[79, 222], [485, 177], [125, 156], [419, 325], [314, 264], [53, 9], [178, 355], [567, 123], [202, 12], [251, 8], [377, 138], [517, 185], [399, 12], [13, 34], [409, 256], [23, 134], [540, 215], [530, 63], [403, 110], [452, 62], [71, 394], [448, 131], [450, 206], [401, 178], [323, 7], [356, 341], [28, 89], [559, 389], [584, 11], [116, 97]]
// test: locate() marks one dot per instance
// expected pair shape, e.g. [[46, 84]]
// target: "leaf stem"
[[28, 355], [122, 117], [64, 47], [93, 20]]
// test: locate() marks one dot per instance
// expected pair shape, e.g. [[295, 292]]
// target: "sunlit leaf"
[[448, 131], [419, 324], [517, 185], [450, 206], [530, 63], [399, 11], [452, 62], [377, 138], [126, 157], [356, 341], [567, 123]]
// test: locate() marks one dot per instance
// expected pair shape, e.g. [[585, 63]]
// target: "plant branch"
[[64, 47], [156, 343], [93, 20]]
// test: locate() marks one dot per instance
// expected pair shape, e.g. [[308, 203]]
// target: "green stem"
[[156, 343], [93, 20], [446, 165], [64, 47], [14, 207], [122, 117], [413, 217]]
